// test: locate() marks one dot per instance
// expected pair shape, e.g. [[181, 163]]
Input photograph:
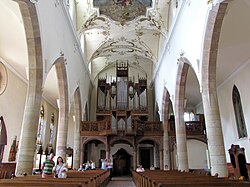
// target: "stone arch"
[[27, 144], [179, 114], [86, 112], [154, 139], [158, 146], [78, 112], [85, 140], [88, 139], [209, 93], [165, 114], [63, 107], [115, 139], [165, 104]]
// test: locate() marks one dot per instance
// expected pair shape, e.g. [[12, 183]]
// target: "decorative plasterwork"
[[122, 10], [123, 47]]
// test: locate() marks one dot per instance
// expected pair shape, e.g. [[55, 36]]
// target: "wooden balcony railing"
[[96, 128], [192, 128], [148, 128]]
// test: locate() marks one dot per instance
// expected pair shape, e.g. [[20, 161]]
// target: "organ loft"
[[122, 118]]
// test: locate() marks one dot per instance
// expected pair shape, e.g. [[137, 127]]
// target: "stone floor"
[[124, 181]]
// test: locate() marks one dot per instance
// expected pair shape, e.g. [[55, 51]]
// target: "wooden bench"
[[159, 178], [95, 178]]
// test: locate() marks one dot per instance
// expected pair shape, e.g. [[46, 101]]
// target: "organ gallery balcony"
[[104, 127]]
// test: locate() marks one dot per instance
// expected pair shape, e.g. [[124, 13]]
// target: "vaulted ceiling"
[[125, 34], [123, 30]]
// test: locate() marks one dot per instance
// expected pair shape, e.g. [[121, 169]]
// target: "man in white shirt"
[[110, 168], [104, 164]]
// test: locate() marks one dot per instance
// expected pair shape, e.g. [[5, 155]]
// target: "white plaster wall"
[[12, 103], [188, 42], [48, 110], [197, 158], [240, 78], [12, 108], [59, 38]]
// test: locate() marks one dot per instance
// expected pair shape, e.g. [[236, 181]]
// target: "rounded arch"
[[63, 106], [208, 88], [210, 47], [121, 139], [165, 104], [154, 139], [78, 112], [27, 143], [77, 104], [89, 139], [179, 114], [86, 112], [201, 139]]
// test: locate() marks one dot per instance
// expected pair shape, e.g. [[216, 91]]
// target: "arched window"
[[52, 128], [238, 111], [40, 126]]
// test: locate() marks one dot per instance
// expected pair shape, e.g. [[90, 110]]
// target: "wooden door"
[[121, 162]]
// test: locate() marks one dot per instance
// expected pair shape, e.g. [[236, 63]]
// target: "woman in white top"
[[60, 169], [140, 169]]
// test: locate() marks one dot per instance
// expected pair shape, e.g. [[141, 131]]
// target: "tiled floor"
[[124, 181]]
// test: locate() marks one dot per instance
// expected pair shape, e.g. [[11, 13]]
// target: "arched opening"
[[149, 154], [94, 150], [121, 162]]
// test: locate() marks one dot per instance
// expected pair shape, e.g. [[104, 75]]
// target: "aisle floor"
[[123, 181]]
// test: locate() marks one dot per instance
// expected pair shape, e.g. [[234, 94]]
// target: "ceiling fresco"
[[122, 10]]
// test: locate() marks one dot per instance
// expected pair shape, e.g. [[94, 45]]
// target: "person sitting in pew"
[[166, 167], [152, 168], [140, 169], [60, 169], [81, 168], [47, 167]]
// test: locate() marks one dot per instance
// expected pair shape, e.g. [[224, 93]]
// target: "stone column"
[[161, 159], [134, 159], [82, 150], [76, 156], [214, 135], [166, 153], [107, 151], [27, 144], [181, 141], [155, 155], [62, 133]]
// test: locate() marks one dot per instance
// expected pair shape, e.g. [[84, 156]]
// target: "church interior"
[[157, 83]]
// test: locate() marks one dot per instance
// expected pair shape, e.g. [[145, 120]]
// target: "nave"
[[149, 178], [122, 181]]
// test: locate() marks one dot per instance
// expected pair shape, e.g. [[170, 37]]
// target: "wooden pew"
[[159, 178], [91, 178]]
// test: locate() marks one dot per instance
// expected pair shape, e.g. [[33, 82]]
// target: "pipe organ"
[[121, 99]]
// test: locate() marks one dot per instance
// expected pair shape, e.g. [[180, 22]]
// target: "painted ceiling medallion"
[[122, 10]]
